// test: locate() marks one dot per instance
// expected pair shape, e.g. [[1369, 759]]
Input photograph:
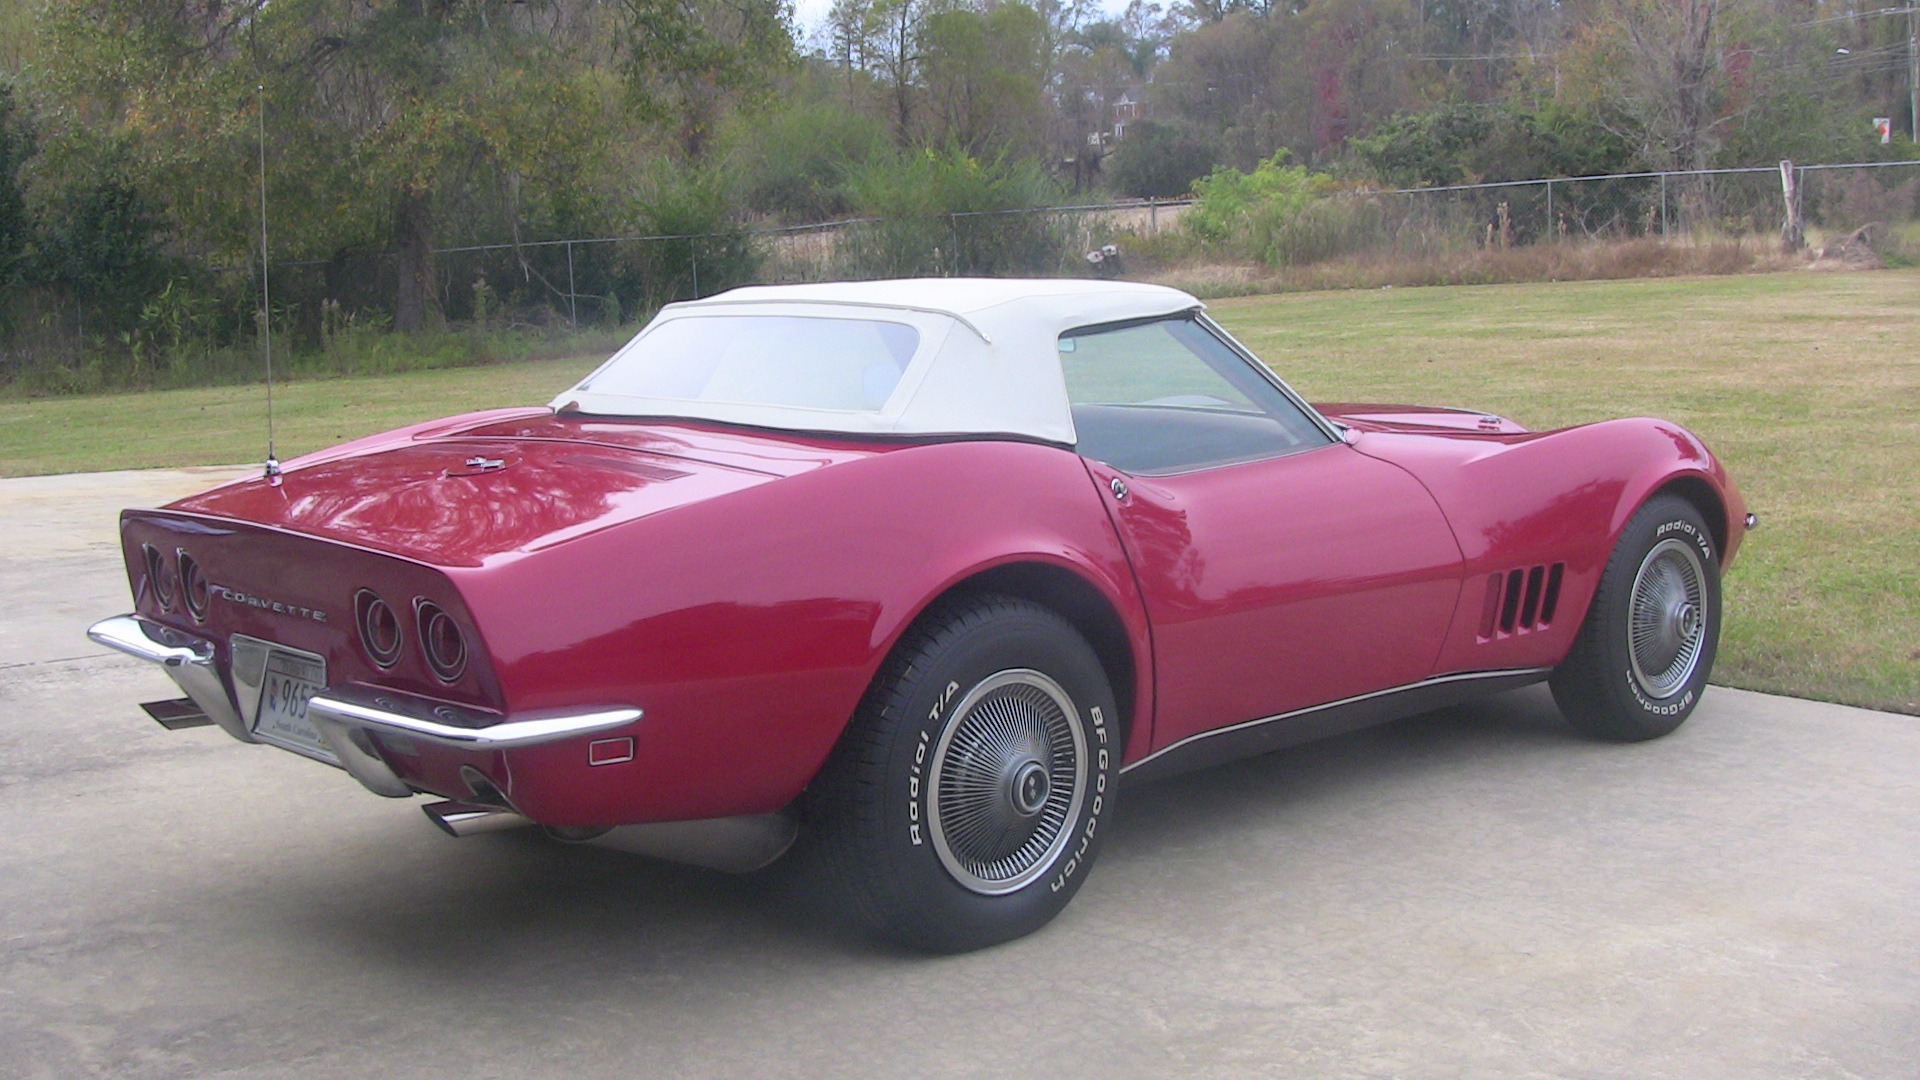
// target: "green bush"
[[1281, 215], [711, 251], [792, 160], [1159, 161], [16, 228], [946, 213]]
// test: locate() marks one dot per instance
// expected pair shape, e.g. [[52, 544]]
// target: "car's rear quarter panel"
[[749, 627]]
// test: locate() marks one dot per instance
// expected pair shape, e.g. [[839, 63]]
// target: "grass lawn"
[[1807, 384]]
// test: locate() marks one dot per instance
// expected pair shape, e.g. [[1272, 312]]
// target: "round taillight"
[[193, 585], [159, 576], [380, 632], [442, 642]]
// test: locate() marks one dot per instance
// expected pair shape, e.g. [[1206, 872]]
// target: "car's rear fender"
[[749, 626]]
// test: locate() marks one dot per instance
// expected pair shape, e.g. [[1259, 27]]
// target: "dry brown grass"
[[1575, 261]]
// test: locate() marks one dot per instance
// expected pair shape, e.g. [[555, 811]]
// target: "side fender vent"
[[1520, 601]]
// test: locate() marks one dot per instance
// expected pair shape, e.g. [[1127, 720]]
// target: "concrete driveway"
[[1472, 893]]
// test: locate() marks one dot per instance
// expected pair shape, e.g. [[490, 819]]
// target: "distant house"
[[1127, 108]]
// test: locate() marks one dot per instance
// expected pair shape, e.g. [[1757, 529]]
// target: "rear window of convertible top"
[[785, 360]]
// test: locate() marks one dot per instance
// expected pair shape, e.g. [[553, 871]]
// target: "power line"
[[1856, 15]]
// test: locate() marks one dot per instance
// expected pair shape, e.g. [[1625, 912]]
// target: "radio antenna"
[[266, 291]]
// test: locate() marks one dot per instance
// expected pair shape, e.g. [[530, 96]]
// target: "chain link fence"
[[1710, 203], [614, 281]]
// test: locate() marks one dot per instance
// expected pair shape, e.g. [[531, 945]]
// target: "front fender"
[[1520, 501]]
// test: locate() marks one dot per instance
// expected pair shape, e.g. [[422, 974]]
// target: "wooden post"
[[573, 294], [1793, 234]]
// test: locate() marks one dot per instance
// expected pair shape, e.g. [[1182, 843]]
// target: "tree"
[[1243, 84], [896, 48], [16, 229], [1159, 160], [984, 73]]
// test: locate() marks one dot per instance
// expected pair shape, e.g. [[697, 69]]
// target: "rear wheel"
[[1642, 658], [962, 807]]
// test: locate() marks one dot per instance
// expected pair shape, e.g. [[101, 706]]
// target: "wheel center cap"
[[1030, 788], [1686, 620]]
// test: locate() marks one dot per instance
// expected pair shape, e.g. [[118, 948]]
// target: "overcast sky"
[[812, 14]]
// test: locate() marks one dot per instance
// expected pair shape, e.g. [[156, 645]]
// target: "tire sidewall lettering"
[[1674, 707], [1687, 528], [919, 787], [1097, 722], [916, 775], [1683, 703]]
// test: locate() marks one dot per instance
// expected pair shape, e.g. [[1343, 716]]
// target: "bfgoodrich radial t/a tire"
[[963, 806], [1642, 658]]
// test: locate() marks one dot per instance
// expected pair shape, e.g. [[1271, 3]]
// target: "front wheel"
[[1642, 658], [962, 808]]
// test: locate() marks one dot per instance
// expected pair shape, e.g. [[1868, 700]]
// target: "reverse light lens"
[[380, 633], [193, 585], [441, 640], [160, 577]]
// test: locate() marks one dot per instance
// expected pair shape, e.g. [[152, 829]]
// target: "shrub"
[[792, 160], [16, 145], [1281, 215], [1160, 161], [711, 251], [947, 213]]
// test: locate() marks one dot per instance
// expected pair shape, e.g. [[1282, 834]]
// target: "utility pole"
[[1913, 70]]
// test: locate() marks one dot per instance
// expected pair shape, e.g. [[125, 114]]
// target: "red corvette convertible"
[[928, 569]]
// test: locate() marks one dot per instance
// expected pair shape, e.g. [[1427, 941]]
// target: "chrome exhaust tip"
[[470, 819]]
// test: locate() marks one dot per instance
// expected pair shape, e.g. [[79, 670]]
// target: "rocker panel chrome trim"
[[1270, 733]]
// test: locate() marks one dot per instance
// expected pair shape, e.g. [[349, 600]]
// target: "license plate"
[[282, 680]]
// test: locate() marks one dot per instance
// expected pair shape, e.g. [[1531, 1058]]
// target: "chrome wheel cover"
[[1667, 618], [1006, 783]]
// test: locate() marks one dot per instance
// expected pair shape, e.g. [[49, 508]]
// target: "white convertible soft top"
[[985, 356]]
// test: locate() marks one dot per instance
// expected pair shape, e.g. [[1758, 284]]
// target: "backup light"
[[380, 633], [442, 641], [160, 576], [193, 585]]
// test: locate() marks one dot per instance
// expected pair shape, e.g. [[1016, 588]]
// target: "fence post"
[[1550, 236], [573, 298], [1663, 206], [693, 260], [1793, 234], [1153, 215]]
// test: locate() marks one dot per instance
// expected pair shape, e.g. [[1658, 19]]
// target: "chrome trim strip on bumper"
[[138, 636], [188, 658], [346, 717], [451, 725]]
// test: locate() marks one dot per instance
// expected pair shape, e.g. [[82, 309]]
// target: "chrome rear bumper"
[[189, 659], [348, 716]]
